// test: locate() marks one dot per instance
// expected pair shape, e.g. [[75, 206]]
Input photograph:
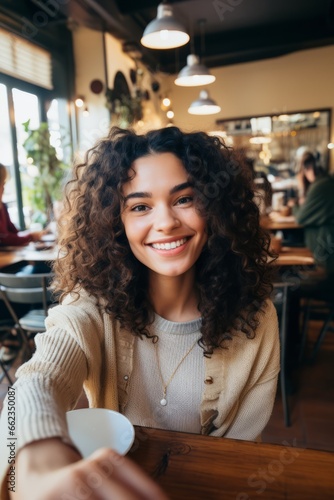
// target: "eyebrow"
[[146, 194]]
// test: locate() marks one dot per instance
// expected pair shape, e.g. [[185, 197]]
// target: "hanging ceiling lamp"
[[204, 105], [164, 32], [194, 74]]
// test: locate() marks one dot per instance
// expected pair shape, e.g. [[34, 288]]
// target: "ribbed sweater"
[[84, 347], [184, 392]]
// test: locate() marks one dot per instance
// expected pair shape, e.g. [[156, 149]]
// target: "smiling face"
[[163, 227]]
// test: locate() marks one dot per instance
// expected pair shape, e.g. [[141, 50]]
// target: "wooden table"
[[27, 253], [295, 256], [289, 256], [279, 223], [189, 466]]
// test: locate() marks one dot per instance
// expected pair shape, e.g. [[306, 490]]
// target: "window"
[[6, 156], [24, 104], [26, 93], [24, 60]]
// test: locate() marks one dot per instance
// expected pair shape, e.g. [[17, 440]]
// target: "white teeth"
[[168, 246]]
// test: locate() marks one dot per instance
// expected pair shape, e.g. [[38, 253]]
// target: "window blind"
[[24, 60]]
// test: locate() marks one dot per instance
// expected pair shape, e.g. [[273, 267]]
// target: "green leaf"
[[41, 191]]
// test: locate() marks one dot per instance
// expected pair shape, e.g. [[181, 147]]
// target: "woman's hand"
[[52, 470], [292, 202], [37, 235], [34, 235]]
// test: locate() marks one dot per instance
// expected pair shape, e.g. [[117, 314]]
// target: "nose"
[[165, 219]]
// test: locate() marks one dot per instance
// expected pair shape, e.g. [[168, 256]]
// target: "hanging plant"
[[125, 110]]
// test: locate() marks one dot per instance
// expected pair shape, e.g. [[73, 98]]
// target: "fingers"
[[104, 476], [125, 477], [36, 236]]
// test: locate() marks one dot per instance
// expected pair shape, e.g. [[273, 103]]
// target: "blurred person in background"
[[314, 210], [9, 235], [263, 191]]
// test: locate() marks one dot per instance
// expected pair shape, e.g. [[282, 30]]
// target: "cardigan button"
[[126, 377], [208, 380]]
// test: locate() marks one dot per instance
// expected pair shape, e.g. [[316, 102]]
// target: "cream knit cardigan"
[[84, 347]]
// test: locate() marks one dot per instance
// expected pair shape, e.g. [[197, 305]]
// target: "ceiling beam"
[[244, 45], [109, 19], [130, 7]]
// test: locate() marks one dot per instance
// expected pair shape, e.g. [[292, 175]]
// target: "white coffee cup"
[[94, 428]]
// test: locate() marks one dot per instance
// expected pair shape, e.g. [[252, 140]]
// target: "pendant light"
[[194, 74], [204, 105], [164, 32]]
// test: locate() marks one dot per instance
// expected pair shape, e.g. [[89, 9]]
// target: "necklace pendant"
[[163, 402]]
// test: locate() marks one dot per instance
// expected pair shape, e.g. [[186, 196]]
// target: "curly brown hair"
[[232, 273]]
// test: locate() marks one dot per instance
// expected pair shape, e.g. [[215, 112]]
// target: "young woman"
[[165, 313]]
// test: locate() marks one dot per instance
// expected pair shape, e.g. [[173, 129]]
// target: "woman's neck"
[[175, 298]]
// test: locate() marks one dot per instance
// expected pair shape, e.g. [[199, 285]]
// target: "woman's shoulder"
[[253, 352], [323, 181], [267, 317], [77, 306], [266, 329], [267, 311], [80, 298], [266, 321], [266, 333]]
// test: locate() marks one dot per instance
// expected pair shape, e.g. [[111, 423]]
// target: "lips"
[[169, 245]]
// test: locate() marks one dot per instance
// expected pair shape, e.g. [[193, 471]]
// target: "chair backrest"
[[26, 289]]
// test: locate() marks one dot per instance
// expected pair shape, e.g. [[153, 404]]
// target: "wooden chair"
[[6, 326], [32, 289]]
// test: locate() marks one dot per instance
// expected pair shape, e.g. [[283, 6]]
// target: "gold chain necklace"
[[163, 401]]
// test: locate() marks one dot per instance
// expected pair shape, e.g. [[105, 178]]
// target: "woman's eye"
[[139, 208], [184, 200]]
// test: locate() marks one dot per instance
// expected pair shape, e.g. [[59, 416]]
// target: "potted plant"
[[44, 187]]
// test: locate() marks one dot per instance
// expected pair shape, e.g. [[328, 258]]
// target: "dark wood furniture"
[[28, 253], [295, 256], [279, 223], [204, 467]]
